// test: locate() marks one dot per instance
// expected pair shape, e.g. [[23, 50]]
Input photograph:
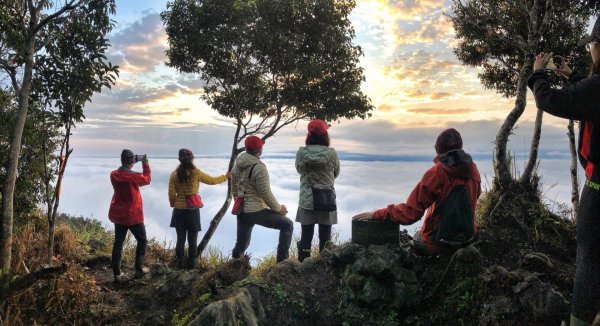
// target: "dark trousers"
[[139, 232], [586, 292], [187, 224], [192, 238], [268, 219], [307, 236]]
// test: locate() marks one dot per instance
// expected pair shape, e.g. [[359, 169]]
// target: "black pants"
[[187, 224], [586, 292], [268, 219], [307, 236], [139, 232]]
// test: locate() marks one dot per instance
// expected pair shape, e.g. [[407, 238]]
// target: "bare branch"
[[12, 73], [546, 19], [68, 6], [507, 65]]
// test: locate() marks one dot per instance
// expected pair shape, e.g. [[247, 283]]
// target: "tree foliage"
[[53, 55], [502, 38], [268, 63]]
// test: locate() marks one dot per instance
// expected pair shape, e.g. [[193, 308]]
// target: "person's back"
[[127, 212], [453, 168], [454, 171], [255, 187], [126, 205], [250, 181]]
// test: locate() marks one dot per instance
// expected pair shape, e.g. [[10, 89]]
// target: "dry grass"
[[68, 299]]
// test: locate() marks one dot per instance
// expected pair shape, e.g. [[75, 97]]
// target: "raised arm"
[[209, 180], [143, 179]]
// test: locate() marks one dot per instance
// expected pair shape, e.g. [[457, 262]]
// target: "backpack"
[[456, 226]]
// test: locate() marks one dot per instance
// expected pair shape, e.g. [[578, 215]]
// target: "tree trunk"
[[502, 165], [574, 178], [533, 151], [217, 218], [8, 191]]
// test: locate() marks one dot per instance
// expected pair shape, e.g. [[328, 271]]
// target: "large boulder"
[[380, 275]]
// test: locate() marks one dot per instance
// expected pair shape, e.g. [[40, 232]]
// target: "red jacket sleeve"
[[142, 179], [423, 195]]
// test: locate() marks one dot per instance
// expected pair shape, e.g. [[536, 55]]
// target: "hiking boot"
[[191, 263], [140, 271], [303, 252], [121, 278], [180, 262]]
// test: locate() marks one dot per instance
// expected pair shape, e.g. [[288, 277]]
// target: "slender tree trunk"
[[217, 218], [8, 188], [56, 199], [502, 164], [533, 151], [574, 177]]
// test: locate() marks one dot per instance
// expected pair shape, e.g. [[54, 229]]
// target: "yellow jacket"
[[178, 190]]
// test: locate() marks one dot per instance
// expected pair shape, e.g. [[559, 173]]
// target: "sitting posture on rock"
[[183, 188], [250, 181], [318, 166], [127, 211], [448, 191]]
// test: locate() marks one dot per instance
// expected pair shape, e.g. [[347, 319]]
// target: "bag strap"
[[249, 176]]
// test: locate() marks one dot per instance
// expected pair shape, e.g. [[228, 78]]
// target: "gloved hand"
[[145, 160]]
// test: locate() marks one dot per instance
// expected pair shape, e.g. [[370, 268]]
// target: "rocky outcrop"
[[239, 309], [377, 275], [526, 295]]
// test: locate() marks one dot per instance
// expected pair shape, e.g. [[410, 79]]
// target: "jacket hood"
[[244, 160], [457, 163], [316, 155], [122, 174]]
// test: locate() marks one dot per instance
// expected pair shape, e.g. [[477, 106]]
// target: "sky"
[[415, 82]]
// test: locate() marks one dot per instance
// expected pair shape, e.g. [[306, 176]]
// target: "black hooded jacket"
[[580, 100]]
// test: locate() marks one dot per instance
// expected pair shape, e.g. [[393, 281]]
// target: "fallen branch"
[[27, 280]]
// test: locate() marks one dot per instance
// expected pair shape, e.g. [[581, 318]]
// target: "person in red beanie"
[[318, 166], [127, 212], [448, 191], [250, 180]]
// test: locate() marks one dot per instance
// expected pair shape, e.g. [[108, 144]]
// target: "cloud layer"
[[361, 186]]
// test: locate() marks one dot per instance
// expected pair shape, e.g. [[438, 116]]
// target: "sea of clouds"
[[361, 186]]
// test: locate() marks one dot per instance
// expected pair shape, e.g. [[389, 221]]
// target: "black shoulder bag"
[[323, 199]]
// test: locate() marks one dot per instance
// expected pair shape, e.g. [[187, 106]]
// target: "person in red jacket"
[[448, 191], [127, 211]]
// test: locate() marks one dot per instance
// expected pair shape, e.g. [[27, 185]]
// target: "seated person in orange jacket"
[[448, 191]]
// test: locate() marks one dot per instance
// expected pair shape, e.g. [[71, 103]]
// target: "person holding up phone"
[[127, 211], [580, 100]]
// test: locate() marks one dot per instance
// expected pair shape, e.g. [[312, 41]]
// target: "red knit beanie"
[[448, 140], [253, 143], [317, 127]]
